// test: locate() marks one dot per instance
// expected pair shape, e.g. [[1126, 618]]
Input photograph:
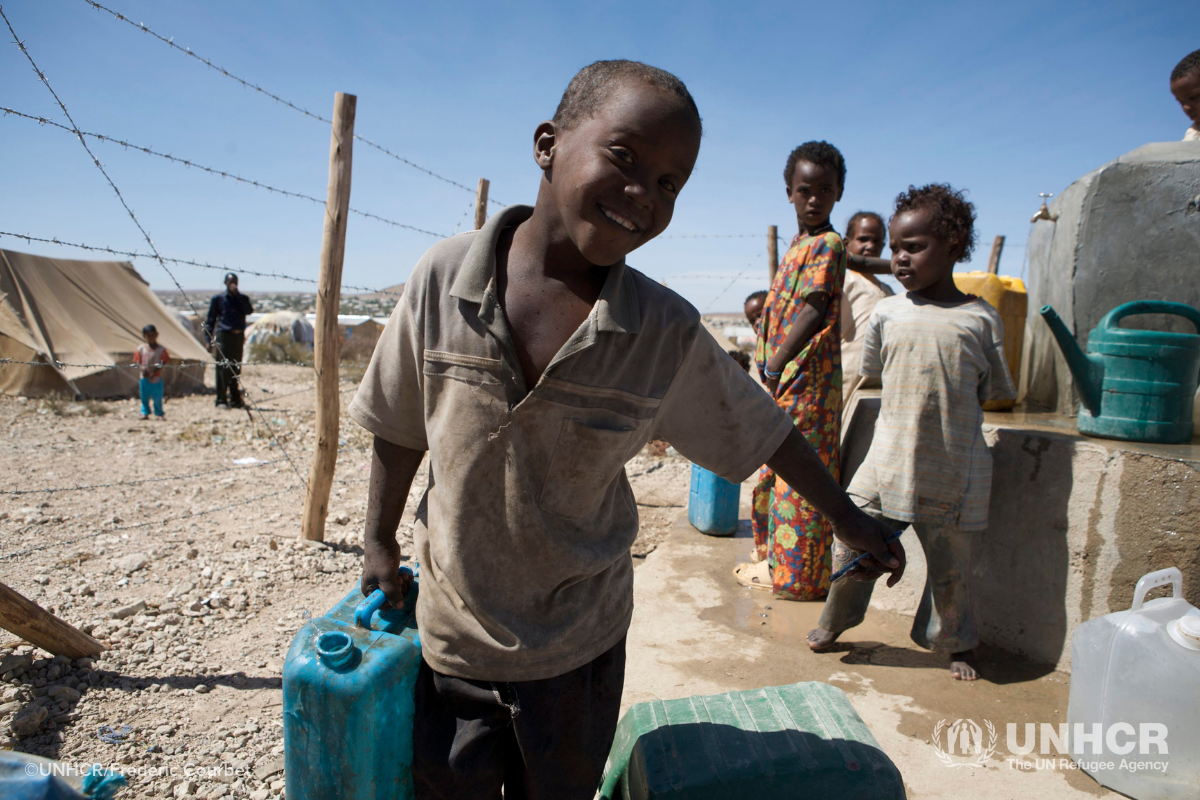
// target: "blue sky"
[[1004, 100]]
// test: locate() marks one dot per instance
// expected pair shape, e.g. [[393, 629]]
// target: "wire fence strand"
[[185, 262], [83, 142], [148, 523], [187, 162], [170, 42], [137, 482]]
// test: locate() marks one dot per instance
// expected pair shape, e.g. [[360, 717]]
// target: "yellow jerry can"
[[1007, 296]]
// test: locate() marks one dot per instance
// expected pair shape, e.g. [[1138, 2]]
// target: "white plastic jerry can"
[[1134, 713]]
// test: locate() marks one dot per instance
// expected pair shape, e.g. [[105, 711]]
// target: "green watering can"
[[1135, 385]]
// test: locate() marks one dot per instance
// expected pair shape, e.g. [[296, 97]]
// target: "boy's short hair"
[[859, 216], [761, 294], [1187, 65], [953, 214], [589, 89], [149, 329], [821, 153]]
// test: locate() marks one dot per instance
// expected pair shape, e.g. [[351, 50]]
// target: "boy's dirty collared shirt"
[[523, 535]]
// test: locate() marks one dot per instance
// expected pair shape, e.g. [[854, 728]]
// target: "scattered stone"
[[201, 689], [15, 662], [268, 767], [8, 708], [29, 721], [64, 694], [127, 565], [185, 789], [128, 611]]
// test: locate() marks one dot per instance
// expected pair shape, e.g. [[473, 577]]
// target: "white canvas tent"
[[85, 313]]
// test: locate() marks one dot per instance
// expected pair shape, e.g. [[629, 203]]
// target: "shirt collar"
[[617, 307]]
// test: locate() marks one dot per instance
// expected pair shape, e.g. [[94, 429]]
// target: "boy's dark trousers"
[[539, 740], [229, 349]]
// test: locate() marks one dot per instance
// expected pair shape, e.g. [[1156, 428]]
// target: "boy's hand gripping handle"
[[375, 601], [841, 573]]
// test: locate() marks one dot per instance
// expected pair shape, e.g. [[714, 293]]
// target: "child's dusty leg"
[[144, 395], [846, 605], [945, 620], [156, 392]]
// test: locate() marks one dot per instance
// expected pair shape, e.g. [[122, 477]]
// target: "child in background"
[[1185, 85], [532, 364], [753, 307], [865, 236], [149, 358], [799, 359], [741, 357], [939, 354]]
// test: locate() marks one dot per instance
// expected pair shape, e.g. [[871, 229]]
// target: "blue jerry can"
[[349, 684], [713, 503]]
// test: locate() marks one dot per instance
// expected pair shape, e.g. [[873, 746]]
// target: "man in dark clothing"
[[226, 334]]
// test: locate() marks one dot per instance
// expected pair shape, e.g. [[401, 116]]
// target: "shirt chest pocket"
[[583, 467]]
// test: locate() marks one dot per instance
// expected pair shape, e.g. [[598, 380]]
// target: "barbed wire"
[[700, 276], [255, 87], [462, 219], [211, 170], [148, 523], [83, 142], [731, 284], [169, 365], [711, 236], [138, 482], [186, 262], [431, 173]]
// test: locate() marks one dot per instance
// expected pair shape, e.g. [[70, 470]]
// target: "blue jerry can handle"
[[374, 602]]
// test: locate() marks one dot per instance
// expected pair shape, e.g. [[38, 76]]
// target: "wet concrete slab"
[[696, 631]]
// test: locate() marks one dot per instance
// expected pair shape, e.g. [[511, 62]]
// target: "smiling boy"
[[532, 363]]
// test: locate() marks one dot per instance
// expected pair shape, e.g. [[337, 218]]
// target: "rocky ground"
[[175, 544]]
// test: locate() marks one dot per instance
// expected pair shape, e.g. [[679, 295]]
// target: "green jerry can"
[[1135, 385], [802, 740]]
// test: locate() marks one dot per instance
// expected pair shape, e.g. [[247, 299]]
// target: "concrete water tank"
[[1129, 230]]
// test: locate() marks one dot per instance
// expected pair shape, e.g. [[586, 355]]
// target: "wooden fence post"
[[994, 259], [327, 335], [481, 203], [36, 625], [772, 251]]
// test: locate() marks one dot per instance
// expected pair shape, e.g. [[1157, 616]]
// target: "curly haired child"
[[939, 354]]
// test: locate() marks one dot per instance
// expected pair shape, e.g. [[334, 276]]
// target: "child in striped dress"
[[939, 354]]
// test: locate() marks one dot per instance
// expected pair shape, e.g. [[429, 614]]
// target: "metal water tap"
[[1044, 211]]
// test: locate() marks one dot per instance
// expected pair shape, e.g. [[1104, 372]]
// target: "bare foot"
[[820, 639], [960, 670]]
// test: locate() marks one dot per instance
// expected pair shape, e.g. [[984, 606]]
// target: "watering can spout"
[[1086, 372]]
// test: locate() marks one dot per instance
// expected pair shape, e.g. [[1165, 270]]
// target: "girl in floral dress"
[[799, 360]]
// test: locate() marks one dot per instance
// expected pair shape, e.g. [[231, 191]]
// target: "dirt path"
[[187, 565]]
